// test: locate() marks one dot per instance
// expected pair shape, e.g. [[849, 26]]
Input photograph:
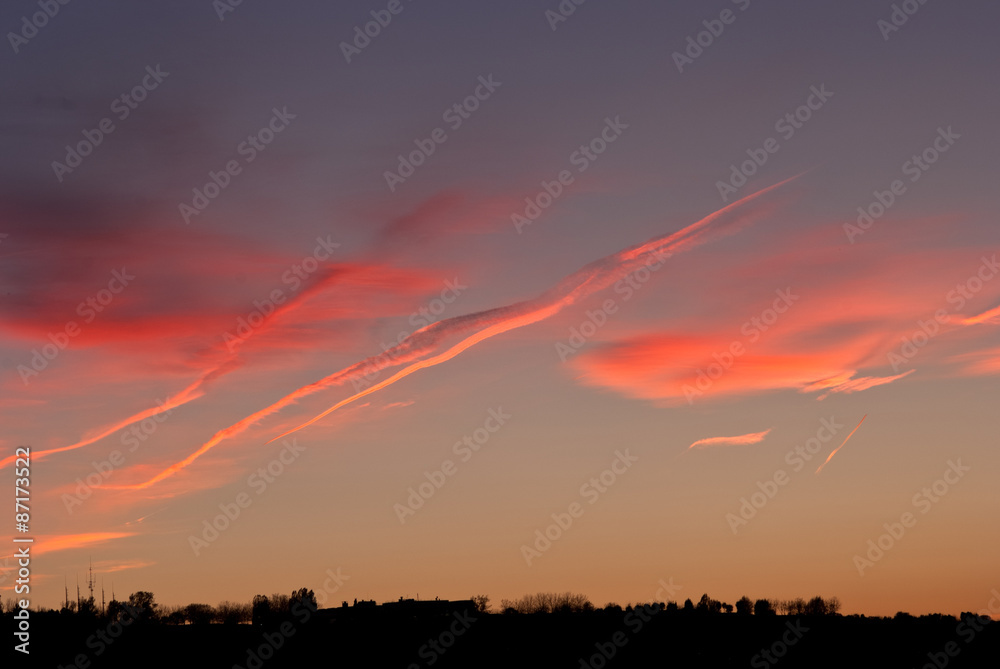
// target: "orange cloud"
[[110, 566], [991, 316], [63, 542], [741, 440]]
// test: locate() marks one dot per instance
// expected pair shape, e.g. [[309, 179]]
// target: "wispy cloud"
[[991, 316], [739, 440], [63, 542], [851, 385]]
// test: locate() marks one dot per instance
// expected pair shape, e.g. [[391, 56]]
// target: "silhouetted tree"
[[232, 613], [763, 607], [708, 605], [547, 602], [115, 610], [87, 608], [728, 608], [482, 603], [280, 604], [744, 606], [688, 606], [260, 610], [144, 606], [795, 607], [671, 607], [302, 599], [174, 615], [199, 614], [815, 607]]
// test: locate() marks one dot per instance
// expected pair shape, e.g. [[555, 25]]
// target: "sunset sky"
[[546, 268]]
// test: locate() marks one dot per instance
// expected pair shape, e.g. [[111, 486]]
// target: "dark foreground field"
[[595, 639]]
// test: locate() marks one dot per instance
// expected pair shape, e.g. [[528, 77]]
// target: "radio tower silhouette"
[[90, 578]]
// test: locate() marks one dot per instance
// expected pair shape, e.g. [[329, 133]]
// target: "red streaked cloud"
[[595, 276], [740, 440], [679, 369], [724, 339]]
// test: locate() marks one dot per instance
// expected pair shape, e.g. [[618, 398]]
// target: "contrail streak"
[[190, 393], [586, 281], [194, 390], [830, 457]]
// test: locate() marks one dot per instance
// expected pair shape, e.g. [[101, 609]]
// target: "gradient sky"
[[833, 356]]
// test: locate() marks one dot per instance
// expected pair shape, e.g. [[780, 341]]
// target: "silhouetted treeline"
[[539, 630]]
